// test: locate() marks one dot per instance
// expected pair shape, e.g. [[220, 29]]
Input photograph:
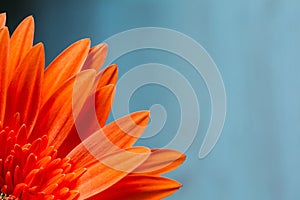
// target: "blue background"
[[255, 45]]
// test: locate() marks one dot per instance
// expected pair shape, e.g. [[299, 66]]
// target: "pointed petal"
[[139, 188], [2, 19], [95, 111], [26, 86], [102, 175], [4, 48], [118, 135], [20, 44], [107, 76], [161, 161], [57, 115], [92, 116], [66, 65], [96, 57]]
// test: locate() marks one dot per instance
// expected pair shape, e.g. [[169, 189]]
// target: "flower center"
[[32, 170], [5, 196]]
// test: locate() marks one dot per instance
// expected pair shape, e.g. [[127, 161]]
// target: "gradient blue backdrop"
[[255, 45]]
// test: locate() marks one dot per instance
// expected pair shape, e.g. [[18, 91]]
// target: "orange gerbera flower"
[[44, 154]]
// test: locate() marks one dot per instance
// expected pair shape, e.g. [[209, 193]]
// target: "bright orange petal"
[[26, 86], [92, 116], [64, 104], [2, 20], [4, 48], [107, 76], [96, 57], [161, 161], [102, 175], [118, 135], [66, 65], [104, 99], [20, 44], [139, 188]]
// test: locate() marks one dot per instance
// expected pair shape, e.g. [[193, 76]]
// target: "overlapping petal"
[[110, 169], [54, 140], [4, 47], [65, 66], [62, 104], [20, 43], [118, 135], [26, 86], [134, 187], [96, 57], [161, 161]]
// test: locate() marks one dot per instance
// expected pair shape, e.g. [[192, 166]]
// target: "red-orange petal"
[[96, 57], [4, 48], [2, 19], [111, 169], [20, 44], [107, 76], [161, 161], [120, 134], [66, 65], [139, 188], [26, 86], [95, 111], [92, 116], [64, 105]]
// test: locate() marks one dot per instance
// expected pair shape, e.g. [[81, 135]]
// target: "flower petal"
[[26, 86], [96, 57], [66, 65], [139, 188], [64, 105], [111, 169], [107, 76], [4, 48], [2, 20], [20, 44], [92, 116], [118, 135], [161, 161]]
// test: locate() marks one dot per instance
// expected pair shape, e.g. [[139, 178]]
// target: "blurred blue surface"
[[255, 45]]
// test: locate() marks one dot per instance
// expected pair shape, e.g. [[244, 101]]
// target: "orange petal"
[[26, 86], [102, 175], [2, 20], [139, 188], [107, 76], [92, 116], [161, 161], [118, 135], [57, 115], [20, 44], [104, 99], [66, 65], [96, 57], [4, 48]]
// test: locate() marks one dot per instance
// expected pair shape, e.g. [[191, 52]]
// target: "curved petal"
[[111, 169], [4, 48], [161, 161], [107, 76], [118, 135], [20, 44], [139, 188], [92, 116], [96, 57], [26, 86], [57, 115], [2, 19], [66, 65]]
